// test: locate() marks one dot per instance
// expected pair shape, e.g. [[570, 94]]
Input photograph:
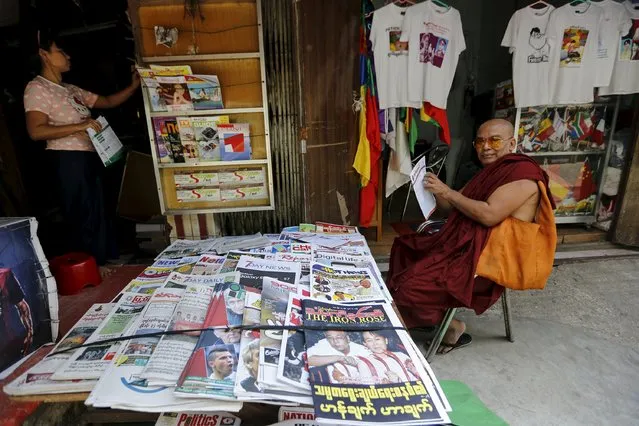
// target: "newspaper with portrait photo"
[[371, 375], [292, 368]]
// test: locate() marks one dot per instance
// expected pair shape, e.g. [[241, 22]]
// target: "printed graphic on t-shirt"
[[432, 49], [393, 39], [573, 46], [78, 105], [629, 44], [541, 49]]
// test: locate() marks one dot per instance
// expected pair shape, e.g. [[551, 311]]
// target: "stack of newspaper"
[[297, 318]]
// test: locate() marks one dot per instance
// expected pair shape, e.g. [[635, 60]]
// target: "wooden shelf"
[[213, 164], [210, 57], [206, 112]]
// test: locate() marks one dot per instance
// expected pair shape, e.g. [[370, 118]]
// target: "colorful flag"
[[545, 129], [585, 124], [598, 134], [440, 117], [585, 185]]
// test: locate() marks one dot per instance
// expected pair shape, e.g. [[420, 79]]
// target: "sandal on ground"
[[464, 340]]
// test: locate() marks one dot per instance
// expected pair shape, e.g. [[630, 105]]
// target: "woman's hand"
[[90, 123], [436, 186], [135, 79]]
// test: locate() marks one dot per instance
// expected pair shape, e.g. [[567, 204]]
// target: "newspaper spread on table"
[[311, 291]]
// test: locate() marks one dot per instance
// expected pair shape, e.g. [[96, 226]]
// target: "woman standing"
[[59, 114]]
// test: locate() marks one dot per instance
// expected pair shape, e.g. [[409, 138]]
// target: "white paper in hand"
[[106, 143], [425, 198]]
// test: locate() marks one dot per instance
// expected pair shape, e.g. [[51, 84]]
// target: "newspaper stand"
[[215, 37]]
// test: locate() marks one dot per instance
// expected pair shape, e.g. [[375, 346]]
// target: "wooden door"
[[327, 52]]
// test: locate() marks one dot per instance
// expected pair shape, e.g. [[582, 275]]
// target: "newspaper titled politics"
[[92, 361], [197, 419], [343, 284], [37, 380]]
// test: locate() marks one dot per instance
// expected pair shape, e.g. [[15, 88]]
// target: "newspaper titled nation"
[[92, 361], [37, 380], [208, 264]]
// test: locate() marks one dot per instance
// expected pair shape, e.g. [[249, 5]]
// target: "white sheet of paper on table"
[[425, 198]]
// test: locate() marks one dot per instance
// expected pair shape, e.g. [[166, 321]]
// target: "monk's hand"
[[436, 186], [349, 360]]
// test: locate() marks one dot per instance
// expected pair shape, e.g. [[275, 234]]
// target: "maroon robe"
[[430, 273]]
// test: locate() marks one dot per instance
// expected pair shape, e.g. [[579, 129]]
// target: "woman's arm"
[[40, 130], [117, 99]]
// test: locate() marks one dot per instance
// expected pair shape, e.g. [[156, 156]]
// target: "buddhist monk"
[[431, 273]]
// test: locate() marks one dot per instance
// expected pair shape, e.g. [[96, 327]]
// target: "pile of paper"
[[298, 318]]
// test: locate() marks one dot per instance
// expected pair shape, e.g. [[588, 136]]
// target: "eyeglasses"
[[494, 142]]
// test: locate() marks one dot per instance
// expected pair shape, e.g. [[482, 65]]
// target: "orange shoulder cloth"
[[519, 255]]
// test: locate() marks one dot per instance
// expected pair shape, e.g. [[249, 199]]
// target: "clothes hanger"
[[540, 3], [578, 2], [441, 3]]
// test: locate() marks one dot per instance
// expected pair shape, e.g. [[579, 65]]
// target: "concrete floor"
[[575, 359]]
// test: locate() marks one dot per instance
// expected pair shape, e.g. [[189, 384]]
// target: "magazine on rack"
[[167, 140], [92, 361], [175, 93], [252, 271], [37, 380], [292, 368], [205, 91], [235, 141], [380, 380], [207, 137], [187, 138], [343, 284], [197, 419]]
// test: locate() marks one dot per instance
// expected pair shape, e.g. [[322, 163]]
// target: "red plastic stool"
[[74, 271]]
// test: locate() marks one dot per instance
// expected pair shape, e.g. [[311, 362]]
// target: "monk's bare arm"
[[502, 203]]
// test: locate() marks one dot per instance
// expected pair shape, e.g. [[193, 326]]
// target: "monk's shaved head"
[[495, 138], [498, 126]]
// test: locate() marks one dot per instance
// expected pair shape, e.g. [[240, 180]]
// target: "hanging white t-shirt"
[[435, 40], [573, 34], [625, 74], [391, 61], [526, 38], [615, 23]]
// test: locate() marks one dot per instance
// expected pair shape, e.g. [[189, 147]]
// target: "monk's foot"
[[455, 330]]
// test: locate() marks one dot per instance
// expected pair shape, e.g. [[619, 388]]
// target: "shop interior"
[[99, 39]]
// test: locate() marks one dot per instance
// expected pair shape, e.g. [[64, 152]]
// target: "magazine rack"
[[217, 37]]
